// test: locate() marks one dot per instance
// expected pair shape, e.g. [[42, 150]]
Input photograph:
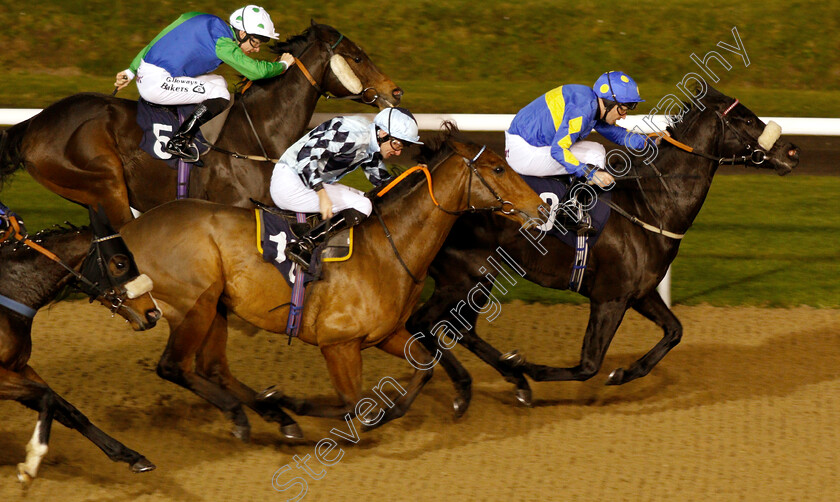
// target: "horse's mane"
[[48, 233], [679, 130], [295, 44], [432, 152]]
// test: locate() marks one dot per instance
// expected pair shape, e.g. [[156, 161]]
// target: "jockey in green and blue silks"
[[174, 69], [544, 138]]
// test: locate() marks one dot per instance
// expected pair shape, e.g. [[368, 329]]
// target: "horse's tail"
[[10, 141]]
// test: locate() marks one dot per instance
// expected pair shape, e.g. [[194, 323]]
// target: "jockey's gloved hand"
[[601, 178]]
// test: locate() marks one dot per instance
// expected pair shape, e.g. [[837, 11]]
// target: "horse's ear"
[[312, 22], [99, 222]]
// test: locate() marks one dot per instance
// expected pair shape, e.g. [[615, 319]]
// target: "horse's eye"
[[499, 169], [357, 59], [121, 265]]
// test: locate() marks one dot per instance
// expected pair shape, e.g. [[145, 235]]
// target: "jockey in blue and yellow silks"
[[544, 138]]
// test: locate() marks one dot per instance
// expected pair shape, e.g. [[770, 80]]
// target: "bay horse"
[[204, 263], [86, 149], [100, 264], [625, 265]]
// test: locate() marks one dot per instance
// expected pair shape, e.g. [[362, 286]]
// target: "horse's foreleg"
[[604, 319], [39, 397], [400, 344], [344, 363], [451, 303], [653, 307], [421, 322], [212, 364], [177, 361], [72, 418]]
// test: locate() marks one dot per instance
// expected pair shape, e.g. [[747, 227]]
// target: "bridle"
[[243, 85], [115, 295], [471, 164], [331, 49], [757, 157]]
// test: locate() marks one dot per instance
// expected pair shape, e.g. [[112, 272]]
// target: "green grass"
[[459, 56], [759, 240]]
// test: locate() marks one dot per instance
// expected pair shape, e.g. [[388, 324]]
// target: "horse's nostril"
[[398, 93], [793, 153], [153, 315]]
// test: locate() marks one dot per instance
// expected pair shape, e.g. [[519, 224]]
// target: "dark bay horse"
[[625, 265], [31, 280], [85, 147], [204, 264]]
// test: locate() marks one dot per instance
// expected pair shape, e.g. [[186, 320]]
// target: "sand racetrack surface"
[[747, 407]]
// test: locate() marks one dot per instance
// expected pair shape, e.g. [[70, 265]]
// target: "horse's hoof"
[[24, 477], [460, 405], [242, 433], [269, 394], [291, 431], [524, 397], [513, 359], [616, 377], [142, 465]]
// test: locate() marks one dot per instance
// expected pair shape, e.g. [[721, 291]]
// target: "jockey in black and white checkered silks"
[[304, 180]]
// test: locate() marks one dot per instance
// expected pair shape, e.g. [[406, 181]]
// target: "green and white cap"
[[253, 20]]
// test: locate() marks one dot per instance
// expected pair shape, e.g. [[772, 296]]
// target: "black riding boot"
[[300, 250], [571, 222], [181, 145]]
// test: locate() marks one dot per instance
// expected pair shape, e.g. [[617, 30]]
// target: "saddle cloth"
[[275, 228], [553, 191], [159, 124]]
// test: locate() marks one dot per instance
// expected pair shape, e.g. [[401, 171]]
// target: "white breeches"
[[289, 192], [157, 86], [537, 160]]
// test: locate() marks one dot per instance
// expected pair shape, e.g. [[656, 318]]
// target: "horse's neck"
[[419, 228], [279, 109], [37, 279], [687, 179]]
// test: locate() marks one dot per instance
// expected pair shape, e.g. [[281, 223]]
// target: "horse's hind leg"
[[86, 172], [653, 307], [177, 363], [397, 345], [72, 418], [212, 363]]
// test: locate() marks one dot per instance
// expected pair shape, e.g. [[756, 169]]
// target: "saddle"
[[159, 124], [276, 227]]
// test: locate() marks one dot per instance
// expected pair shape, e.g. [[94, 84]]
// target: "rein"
[[15, 233], [470, 209], [757, 157]]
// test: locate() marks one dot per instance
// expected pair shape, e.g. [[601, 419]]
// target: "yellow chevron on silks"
[[556, 105], [565, 142], [570, 158], [575, 125]]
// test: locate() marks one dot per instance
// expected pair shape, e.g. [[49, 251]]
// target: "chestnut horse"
[[204, 264], [100, 265], [86, 146], [627, 262]]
